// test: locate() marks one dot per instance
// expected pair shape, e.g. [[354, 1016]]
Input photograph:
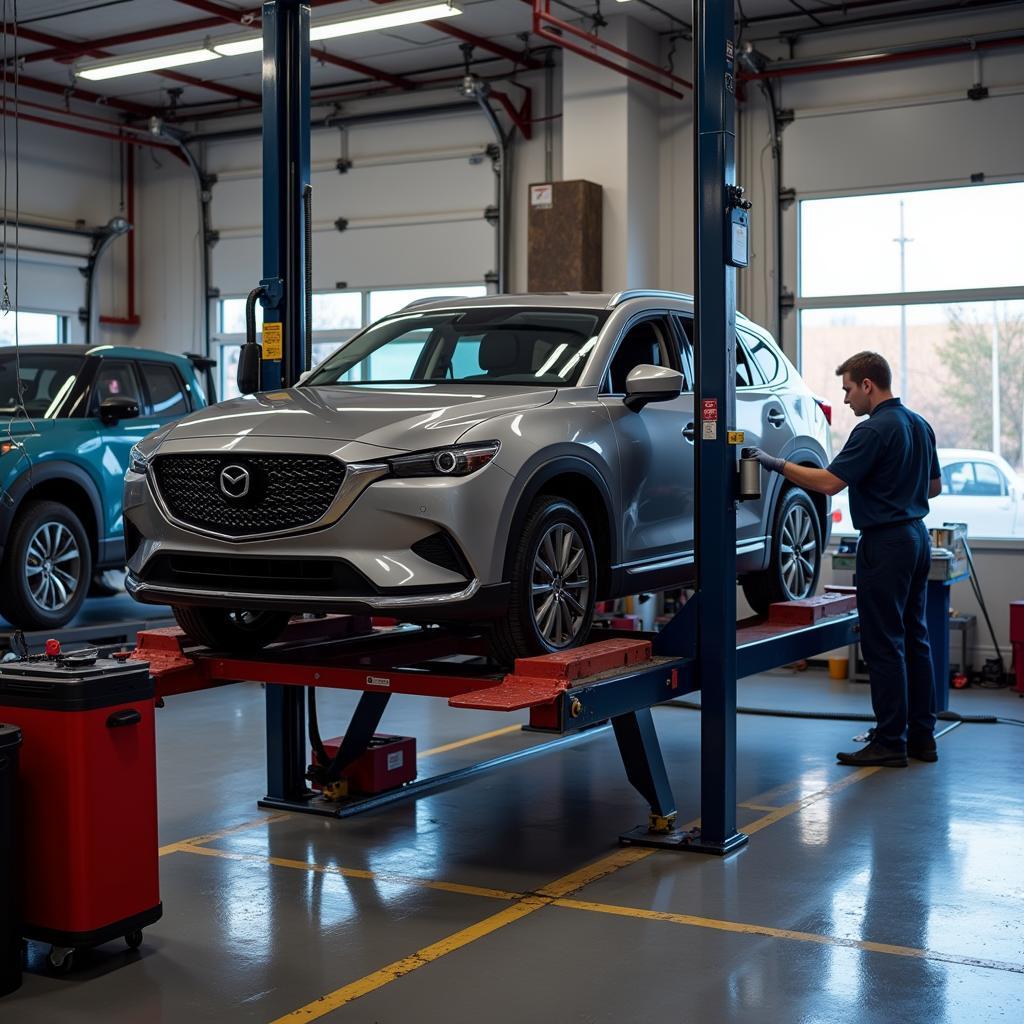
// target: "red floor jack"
[[87, 793]]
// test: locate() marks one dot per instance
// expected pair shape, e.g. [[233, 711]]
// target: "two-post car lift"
[[617, 680]]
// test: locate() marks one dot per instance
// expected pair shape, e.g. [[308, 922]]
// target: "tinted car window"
[[165, 391], [649, 341], [114, 379], [746, 375], [44, 377], [765, 358]]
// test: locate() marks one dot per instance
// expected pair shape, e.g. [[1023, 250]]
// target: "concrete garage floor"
[[864, 895]]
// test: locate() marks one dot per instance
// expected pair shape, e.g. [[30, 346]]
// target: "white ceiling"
[[424, 51]]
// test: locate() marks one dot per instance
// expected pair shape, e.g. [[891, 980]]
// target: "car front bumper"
[[375, 558]]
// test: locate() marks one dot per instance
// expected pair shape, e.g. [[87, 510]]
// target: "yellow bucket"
[[838, 668]]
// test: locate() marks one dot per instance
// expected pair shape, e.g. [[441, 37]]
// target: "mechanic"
[[892, 469]]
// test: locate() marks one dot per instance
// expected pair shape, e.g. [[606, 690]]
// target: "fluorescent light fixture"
[[151, 62], [232, 48], [394, 16]]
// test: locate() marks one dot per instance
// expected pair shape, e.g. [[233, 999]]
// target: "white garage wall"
[[415, 199], [64, 178]]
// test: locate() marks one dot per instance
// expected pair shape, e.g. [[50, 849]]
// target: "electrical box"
[[565, 237]]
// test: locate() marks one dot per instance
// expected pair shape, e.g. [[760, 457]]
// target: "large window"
[[934, 281], [32, 328], [336, 317]]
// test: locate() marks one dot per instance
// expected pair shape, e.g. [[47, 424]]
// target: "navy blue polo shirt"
[[888, 464]]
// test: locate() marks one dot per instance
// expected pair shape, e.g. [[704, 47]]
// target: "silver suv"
[[502, 462]]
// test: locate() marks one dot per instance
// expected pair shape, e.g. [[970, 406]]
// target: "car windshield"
[[46, 377], [488, 344]]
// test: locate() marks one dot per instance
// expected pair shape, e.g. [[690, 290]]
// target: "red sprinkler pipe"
[[657, 77]]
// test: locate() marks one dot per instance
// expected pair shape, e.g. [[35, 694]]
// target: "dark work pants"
[[892, 577]]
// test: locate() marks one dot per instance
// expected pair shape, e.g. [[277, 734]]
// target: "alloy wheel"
[[53, 566], [798, 552], [560, 586]]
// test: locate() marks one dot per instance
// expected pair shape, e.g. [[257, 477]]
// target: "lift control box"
[[388, 762]]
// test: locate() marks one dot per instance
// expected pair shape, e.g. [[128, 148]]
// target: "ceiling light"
[[394, 16], [151, 62]]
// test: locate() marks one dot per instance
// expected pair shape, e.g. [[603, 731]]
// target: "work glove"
[[770, 462]]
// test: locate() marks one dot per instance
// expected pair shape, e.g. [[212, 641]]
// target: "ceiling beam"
[[72, 50]]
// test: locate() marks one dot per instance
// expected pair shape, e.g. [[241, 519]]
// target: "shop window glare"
[[32, 328], [948, 238]]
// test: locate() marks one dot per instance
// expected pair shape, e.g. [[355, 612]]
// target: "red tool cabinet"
[[87, 794]]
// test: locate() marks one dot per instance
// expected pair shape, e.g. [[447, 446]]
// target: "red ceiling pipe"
[[83, 94], [522, 116], [856, 63], [132, 140], [656, 78], [94, 51], [132, 318], [69, 51]]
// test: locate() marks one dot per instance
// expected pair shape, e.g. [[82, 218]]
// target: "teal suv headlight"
[[456, 460]]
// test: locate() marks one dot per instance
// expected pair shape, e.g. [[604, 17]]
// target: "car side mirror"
[[120, 408], [648, 383], [303, 376]]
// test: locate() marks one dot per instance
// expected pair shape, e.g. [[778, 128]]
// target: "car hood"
[[405, 419]]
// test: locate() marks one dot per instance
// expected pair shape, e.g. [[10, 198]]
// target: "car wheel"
[[553, 577], [795, 564], [240, 632], [47, 567]]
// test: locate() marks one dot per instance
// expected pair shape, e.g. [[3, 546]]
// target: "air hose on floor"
[[848, 716]]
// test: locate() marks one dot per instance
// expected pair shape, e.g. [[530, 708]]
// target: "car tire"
[[47, 567], [795, 564], [225, 629], [551, 607]]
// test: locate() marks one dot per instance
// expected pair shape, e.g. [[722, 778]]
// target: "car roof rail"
[[645, 293], [200, 362], [433, 298]]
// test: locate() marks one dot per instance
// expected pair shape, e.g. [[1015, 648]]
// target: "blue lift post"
[[714, 102], [286, 344]]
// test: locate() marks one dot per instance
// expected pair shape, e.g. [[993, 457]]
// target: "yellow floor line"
[[332, 869], [472, 739], [757, 807], [221, 833], [520, 909], [812, 798], [786, 933]]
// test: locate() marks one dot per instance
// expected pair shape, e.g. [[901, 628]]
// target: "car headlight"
[[137, 461], [456, 460]]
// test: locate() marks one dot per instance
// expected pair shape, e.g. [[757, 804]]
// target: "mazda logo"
[[234, 481]]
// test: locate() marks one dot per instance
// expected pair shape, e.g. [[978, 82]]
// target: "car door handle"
[[776, 417], [688, 432]]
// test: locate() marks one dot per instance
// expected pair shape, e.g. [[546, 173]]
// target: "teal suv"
[[64, 447]]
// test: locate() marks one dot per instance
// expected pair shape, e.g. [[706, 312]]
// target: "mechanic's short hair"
[[867, 366]]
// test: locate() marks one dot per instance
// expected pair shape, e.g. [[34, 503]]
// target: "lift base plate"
[[682, 841]]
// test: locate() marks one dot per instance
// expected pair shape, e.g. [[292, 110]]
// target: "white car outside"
[[979, 488]]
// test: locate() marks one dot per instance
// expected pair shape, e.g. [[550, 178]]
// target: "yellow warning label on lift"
[[735, 437], [273, 341]]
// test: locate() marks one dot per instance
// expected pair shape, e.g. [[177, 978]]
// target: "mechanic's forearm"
[[810, 478]]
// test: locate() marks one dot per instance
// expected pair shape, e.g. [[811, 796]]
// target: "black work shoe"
[[923, 750], [874, 755]]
